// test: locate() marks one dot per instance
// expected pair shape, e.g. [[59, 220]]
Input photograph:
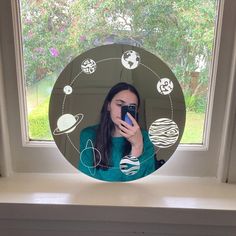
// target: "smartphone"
[[132, 110]]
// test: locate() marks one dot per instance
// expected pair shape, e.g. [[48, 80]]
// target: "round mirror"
[[117, 112]]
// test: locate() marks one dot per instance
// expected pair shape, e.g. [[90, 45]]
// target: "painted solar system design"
[[77, 106]]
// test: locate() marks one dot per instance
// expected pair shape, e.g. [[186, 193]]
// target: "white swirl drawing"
[[165, 86], [129, 165], [163, 133], [88, 66]]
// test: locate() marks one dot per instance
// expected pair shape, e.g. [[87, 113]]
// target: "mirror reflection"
[[117, 112]]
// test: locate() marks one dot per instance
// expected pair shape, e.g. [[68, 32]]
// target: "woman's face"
[[122, 98]]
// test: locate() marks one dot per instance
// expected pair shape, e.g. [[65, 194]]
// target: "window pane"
[[180, 32]]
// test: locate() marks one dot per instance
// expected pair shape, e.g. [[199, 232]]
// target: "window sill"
[[151, 192], [68, 204]]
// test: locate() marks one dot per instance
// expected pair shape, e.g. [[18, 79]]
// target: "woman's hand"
[[133, 134]]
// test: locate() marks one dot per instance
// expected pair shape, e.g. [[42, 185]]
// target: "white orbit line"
[[115, 58], [171, 104], [63, 104], [73, 80], [73, 144], [151, 70], [71, 83], [172, 110], [111, 58]]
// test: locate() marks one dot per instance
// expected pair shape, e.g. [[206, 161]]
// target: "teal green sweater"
[[114, 173]]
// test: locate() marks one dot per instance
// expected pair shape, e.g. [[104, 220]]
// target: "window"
[[180, 32], [44, 157]]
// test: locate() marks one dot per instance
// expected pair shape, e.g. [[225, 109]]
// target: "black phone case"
[[131, 109]]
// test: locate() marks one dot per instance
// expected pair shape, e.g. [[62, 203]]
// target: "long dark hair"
[[106, 126]]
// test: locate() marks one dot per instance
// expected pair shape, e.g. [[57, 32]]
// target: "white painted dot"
[[67, 89]]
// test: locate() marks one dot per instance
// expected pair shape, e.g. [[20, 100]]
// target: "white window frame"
[[211, 159]]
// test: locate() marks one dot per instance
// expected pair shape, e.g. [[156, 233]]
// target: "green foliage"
[[45, 26], [195, 103], [201, 104], [190, 101], [180, 32]]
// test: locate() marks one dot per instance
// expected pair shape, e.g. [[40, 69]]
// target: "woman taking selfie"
[[117, 149]]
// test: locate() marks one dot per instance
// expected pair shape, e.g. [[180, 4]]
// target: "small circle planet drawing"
[[67, 123], [67, 89], [88, 66], [130, 59], [165, 86]]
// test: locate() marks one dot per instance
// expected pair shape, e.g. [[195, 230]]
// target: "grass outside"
[[39, 128], [37, 93], [194, 126], [39, 125]]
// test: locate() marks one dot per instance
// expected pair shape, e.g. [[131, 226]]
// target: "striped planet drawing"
[[129, 165], [163, 133]]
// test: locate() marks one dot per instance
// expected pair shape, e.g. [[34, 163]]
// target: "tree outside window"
[[180, 32]]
